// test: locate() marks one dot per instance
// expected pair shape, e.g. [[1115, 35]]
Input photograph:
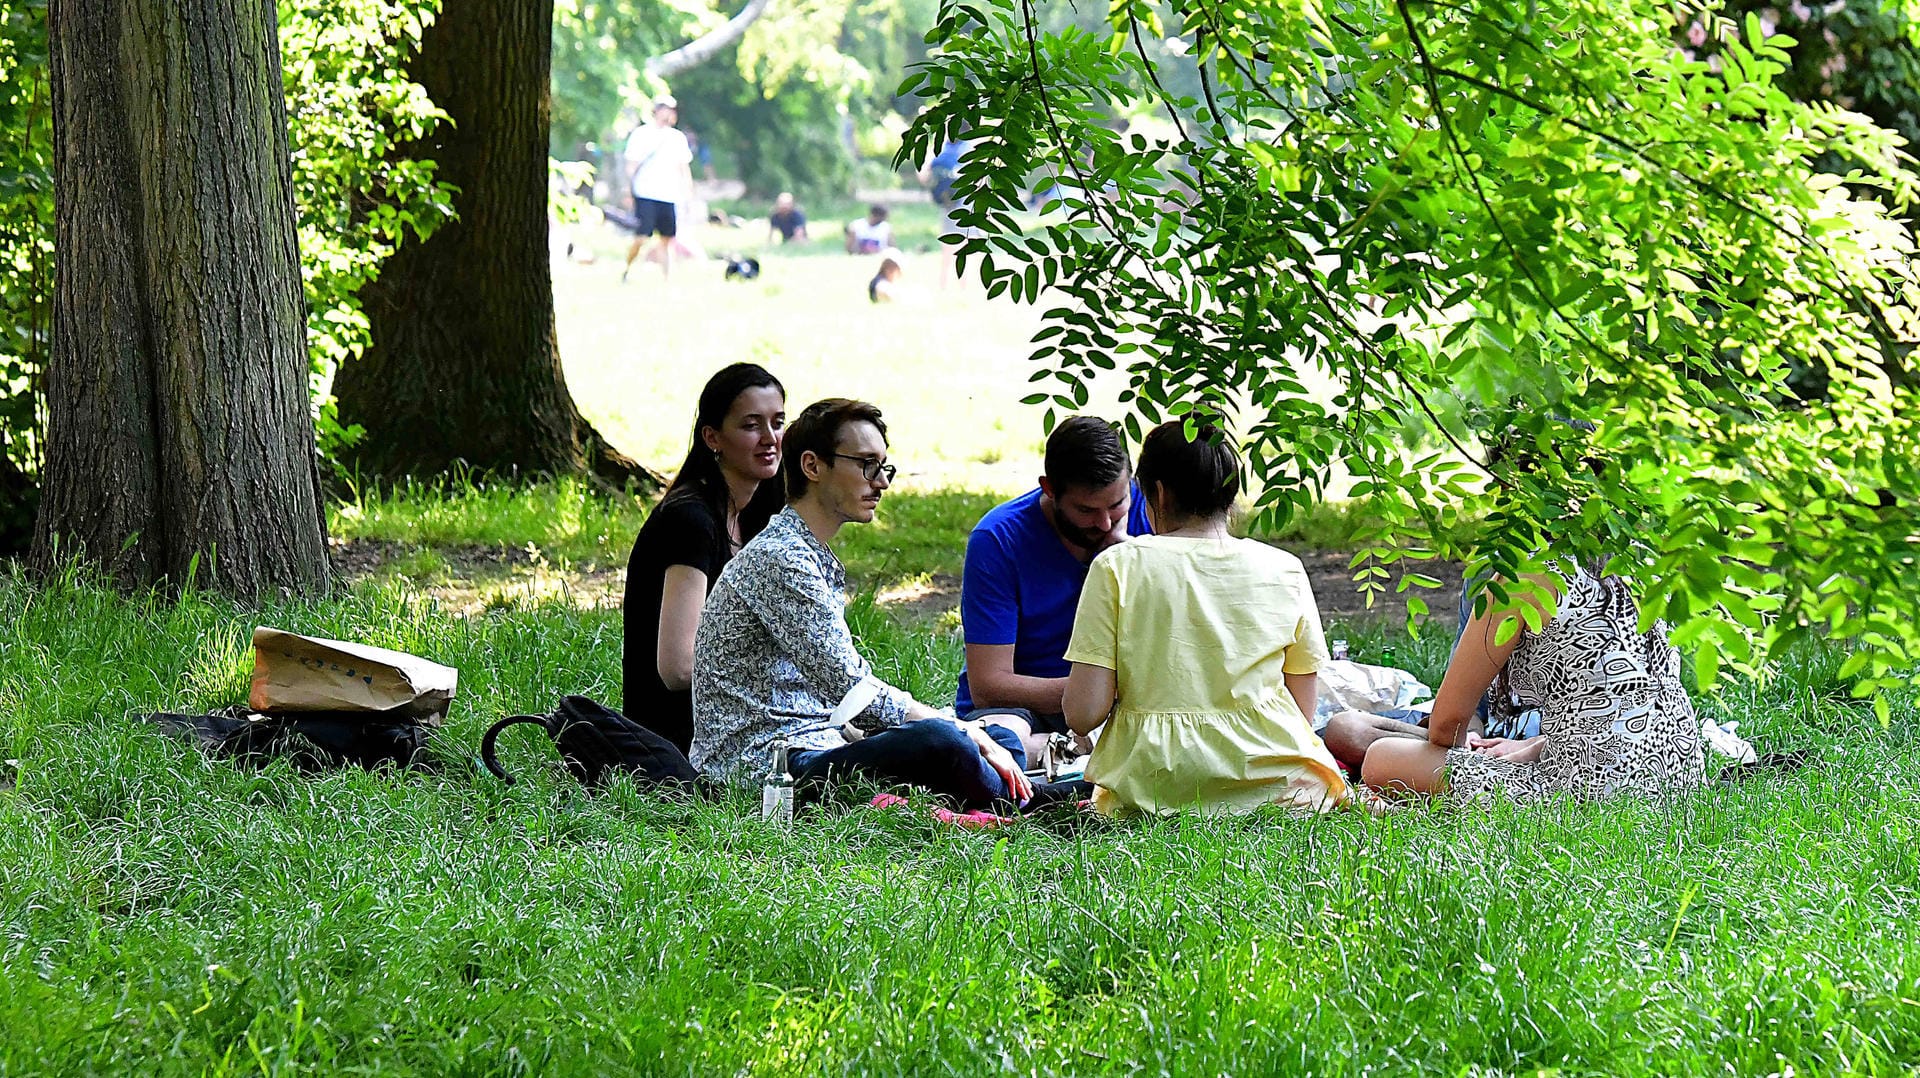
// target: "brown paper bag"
[[304, 673]]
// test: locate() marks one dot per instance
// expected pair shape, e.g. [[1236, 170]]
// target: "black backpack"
[[310, 741], [597, 743]]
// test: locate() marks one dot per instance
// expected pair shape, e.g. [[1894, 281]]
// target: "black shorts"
[[656, 218], [1038, 722]]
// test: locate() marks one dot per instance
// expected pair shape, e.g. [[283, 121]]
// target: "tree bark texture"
[[178, 434], [464, 366]]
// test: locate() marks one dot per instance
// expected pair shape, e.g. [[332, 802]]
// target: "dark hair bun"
[[1201, 474]]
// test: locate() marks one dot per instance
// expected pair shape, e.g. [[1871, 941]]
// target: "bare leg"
[[666, 257], [633, 252], [1402, 765], [1349, 734]]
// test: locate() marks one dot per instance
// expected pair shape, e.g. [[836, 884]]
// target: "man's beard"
[[1087, 537]]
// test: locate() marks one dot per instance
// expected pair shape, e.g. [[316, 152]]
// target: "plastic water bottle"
[[776, 795]]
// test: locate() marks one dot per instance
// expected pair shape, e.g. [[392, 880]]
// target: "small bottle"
[[776, 796], [1340, 650]]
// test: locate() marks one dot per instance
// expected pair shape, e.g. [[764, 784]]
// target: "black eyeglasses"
[[872, 467]]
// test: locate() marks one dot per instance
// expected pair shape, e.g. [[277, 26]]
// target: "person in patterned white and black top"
[[1615, 717], [774, 657]]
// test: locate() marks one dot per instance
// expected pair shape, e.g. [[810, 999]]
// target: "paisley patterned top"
[[1613, 711], [773, 656]]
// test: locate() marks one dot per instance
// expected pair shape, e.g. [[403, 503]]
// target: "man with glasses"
[[775, 661]]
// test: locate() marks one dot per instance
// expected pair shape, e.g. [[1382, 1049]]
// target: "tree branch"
[[705, 47]]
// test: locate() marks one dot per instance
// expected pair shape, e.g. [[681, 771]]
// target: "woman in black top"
[[726, 490]]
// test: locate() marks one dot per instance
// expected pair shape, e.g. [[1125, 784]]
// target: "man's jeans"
[[933, 754]]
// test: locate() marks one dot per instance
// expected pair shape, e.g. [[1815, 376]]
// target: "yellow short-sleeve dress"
[[1199, 633]]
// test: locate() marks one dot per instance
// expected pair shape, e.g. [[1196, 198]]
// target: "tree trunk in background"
[[178, 434], [464, 366]]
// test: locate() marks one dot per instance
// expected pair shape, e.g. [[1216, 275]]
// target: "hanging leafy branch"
[[1482, 221], [349, 104], [26, 257]]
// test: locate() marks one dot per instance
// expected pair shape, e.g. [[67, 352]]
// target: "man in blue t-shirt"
[[1026, 563]]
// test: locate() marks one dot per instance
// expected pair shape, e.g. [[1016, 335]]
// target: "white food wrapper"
[[856, 701], [1350, 686]]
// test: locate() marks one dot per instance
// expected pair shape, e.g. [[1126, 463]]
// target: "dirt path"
[[470, 579], [1340, 597]]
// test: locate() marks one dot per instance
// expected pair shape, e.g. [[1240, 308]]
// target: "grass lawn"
[[165, 914]]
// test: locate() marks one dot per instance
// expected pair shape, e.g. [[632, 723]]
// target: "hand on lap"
[[1001, 761], [1506, 748]]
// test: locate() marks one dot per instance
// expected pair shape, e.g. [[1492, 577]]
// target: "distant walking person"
[[660, 176], [942, 177]]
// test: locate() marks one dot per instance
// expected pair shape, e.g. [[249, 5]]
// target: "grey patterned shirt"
[[774, 657]]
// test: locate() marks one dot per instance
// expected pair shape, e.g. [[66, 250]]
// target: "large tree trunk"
[[464, 366], [178, 434]]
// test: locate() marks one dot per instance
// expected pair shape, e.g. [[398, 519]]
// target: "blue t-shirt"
[[1021, 586]]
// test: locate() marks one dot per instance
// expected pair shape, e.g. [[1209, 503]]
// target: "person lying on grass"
[[774, 657], [725, 492], [1026, 563], [1196, 654], [1614, 716]]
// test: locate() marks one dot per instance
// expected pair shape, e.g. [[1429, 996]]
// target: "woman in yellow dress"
[[1196, 654]]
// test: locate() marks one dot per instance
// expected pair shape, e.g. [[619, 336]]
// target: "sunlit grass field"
[[947, 367]]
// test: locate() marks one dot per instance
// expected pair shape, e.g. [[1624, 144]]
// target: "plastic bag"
[[1350, 686]]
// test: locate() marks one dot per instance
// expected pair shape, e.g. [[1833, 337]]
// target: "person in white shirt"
[[871, 234], [885, 286], [660, 175]]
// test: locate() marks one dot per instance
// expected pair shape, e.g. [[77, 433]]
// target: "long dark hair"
[[699, 476]]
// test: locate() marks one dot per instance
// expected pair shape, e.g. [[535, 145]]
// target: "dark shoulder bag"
[[597, 743]]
